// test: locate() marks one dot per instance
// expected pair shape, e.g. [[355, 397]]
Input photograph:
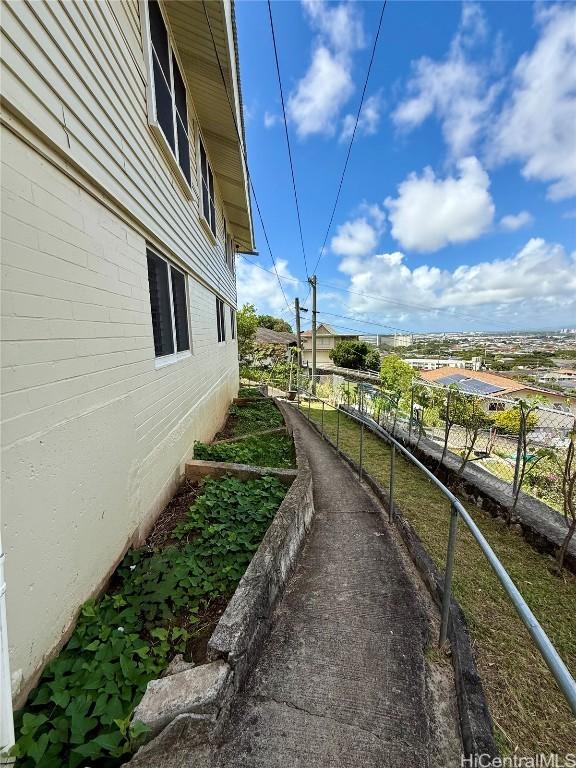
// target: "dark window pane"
[[183, 151], [180, 93], [160, 305], [212, 218], [205, 201], [203, 164], [159, 35], [163, 105], [180, 310], [233, 322], [220, 320]]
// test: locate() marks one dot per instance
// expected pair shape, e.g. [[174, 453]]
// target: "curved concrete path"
[[344, 680]]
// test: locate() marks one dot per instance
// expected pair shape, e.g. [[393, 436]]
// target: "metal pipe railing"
[[550, 655]]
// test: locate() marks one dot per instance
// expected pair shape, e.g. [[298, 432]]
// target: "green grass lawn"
[[530, 714]]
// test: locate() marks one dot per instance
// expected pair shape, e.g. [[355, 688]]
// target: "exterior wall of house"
[[95, 429]]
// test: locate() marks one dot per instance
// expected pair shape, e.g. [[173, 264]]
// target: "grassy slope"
[[529, 711]]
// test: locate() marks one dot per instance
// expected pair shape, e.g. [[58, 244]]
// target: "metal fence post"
[[338, 427], [519, 448], [322, 423], [411, 414], [447, 596], [392, 474], [309, 402], [361, 450]]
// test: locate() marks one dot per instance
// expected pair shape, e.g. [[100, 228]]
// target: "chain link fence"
[[523, 443]]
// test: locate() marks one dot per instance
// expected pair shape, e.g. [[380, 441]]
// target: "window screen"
[[169, 306], [160, 305], [180, 309], [169, 90], [220, 320], [233, 322], [208, 208]]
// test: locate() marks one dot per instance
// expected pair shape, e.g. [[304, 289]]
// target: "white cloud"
[[512, 222], [368, 121], [542, 291], [455, 88], [255, 286], [319, 96], [360, 236], [271, 119], [354, 238], [339, 24], [538, 124], [431, 212]]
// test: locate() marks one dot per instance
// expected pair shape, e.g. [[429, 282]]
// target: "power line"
[[426, 309], [366, 322], [420, 307], [243, 148], [353, 135], [287, 138]]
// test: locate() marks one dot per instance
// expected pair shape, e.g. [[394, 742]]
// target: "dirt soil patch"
[[172, 514]]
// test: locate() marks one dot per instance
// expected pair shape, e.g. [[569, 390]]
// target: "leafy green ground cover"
[[249, 392], [529, 711], [255, 417], [265, 451], [80, 712]]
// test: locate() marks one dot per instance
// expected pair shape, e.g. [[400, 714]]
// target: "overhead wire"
[[287, 138], [243, 148], [322, 250]]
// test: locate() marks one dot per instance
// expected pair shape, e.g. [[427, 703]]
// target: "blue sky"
[[458, 210]]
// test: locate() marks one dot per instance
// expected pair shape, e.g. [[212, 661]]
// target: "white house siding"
[[94, 433]]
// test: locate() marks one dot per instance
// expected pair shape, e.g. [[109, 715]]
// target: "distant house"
[[434, 363], [494, 387], [326, 340], [388, 341], [268, 336], [125, 199]]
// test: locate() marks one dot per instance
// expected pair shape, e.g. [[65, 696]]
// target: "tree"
[[247, 323], [471, 415], [508, 421], [274, 324], [350, 354], [396, 375], [373, 360], [568, 497]]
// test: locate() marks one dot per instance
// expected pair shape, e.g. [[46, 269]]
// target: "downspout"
[[6, 714]]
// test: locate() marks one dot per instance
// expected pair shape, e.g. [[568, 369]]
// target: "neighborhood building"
[[435, 363], [387, 341], [326, 340], [125, 199], [494, 387]]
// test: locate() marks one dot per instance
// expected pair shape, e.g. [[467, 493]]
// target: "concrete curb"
[[245, 624], [197, 469], [475, 720]]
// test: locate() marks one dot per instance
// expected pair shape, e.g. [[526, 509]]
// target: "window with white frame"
[[220, 323], [233, 322], [168, 110], [169, 306], [208, 206]]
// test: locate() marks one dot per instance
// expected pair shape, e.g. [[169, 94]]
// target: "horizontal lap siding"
[[94, 434], [77, 71]]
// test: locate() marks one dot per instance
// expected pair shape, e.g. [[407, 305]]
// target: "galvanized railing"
[[542, 641]]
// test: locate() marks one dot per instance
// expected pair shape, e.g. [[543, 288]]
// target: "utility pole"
[[298, 338], [312, 281]]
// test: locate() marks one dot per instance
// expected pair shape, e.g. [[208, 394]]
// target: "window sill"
[[162, 362], [206, 227], [166, 150]]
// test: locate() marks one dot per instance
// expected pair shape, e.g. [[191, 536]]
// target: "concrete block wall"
[[95, 433]]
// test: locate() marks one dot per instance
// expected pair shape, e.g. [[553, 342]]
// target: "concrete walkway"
[[344, 680]]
